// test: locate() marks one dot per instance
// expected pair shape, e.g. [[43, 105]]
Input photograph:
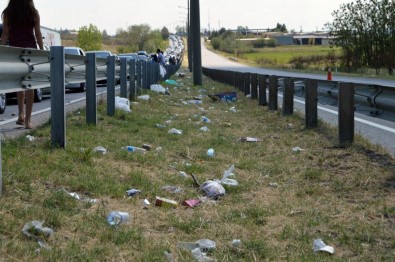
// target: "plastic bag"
[[158, 88], [162, 71], [213, 189], [122, 104]]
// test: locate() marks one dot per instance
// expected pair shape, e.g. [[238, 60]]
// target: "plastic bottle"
[[210, 152], [118, 217], [134, 149]]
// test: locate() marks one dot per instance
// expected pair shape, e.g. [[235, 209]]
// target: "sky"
[[298, 15]]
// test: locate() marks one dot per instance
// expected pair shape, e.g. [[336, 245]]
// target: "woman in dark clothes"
[[21, 27]]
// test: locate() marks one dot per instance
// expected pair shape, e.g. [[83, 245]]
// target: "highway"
[[378, 130]]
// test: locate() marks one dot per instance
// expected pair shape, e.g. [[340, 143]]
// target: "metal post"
[[110, 85], [138, 73], [288, 98], [197, 52], [1, 172], [273, 93], [189, 41], [262, 90], [346, 113], [132, 79], [311, 109], [254, 86], [58, 111], [123, 75], [91, 104]]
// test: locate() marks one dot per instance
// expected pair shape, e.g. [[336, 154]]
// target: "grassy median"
[[286, 198]]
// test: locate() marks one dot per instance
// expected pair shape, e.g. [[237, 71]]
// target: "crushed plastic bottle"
[[134, 149], [117, 218], [205, 120]]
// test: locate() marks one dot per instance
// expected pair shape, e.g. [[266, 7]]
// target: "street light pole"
[[196, 45], [189, 37]]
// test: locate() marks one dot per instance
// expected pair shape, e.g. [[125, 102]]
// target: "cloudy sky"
[[308, 15]]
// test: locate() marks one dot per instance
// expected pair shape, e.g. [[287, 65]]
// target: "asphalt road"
[[378, 130]]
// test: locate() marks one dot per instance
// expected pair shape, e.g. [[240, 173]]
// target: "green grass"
[[337, 194]]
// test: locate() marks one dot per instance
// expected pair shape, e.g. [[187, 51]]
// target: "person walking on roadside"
[[21, 27]]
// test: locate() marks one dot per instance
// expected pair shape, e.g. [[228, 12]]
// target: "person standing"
[[21, 27]]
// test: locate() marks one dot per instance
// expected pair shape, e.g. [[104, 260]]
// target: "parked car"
[[103, 54], [129, 56], [79, 87]]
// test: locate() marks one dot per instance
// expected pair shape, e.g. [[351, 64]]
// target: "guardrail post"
[[123, 75], [311, 107], [247, 83], [254, 86], [132, 79], [110, 85], [288, 98], [91, 104], [273, 93], [346, 112], [1, 172], [262, 90], [144, 74], [138, 73], [58, 111]]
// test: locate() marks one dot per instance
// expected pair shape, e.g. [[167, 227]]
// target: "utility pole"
[[189, 39], [196, 45]]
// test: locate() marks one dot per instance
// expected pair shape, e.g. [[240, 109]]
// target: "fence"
[[349, 96], [22, 69]]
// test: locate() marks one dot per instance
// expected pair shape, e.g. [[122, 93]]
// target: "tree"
[[165, 33], [365, 31], [89, 38]]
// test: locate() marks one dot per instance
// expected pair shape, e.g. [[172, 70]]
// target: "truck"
[[51, 37]]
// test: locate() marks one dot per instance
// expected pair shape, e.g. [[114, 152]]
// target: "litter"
[[117, 217], [162, 71], [213, 189], [274, 184], [204, 245], [201, 256], [233, 109], [160, 126], [122, 104], [169, 256], [182, 174], [236, 242], [250, 139], [297, 149], [164, 202], [78, 197], [225, 178], [132, 192], [30, 138], [146, 203], [319, 245], [36, 231], [134, 149], [204, 129], [171, 82], [191, 202], [194, 102], [158, 88], [172, 189], [224, 97], [211, 152], [175, 131], [143, 97], [205, 120], [100, 150]]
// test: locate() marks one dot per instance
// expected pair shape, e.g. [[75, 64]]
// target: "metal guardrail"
[[348, 97], [22, 69]]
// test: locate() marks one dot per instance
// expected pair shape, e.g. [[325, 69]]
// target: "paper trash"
[[319, 245]]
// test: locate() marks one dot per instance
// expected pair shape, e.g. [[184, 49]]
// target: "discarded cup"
[[146, 203], [236, 242], [175, 131], [100, 150], [117, 218]]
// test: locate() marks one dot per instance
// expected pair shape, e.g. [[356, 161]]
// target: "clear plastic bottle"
[[118, 217]]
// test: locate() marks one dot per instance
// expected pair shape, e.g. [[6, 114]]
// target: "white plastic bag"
[[122, 104], [213, 189], [162, 71], [158, 88]]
